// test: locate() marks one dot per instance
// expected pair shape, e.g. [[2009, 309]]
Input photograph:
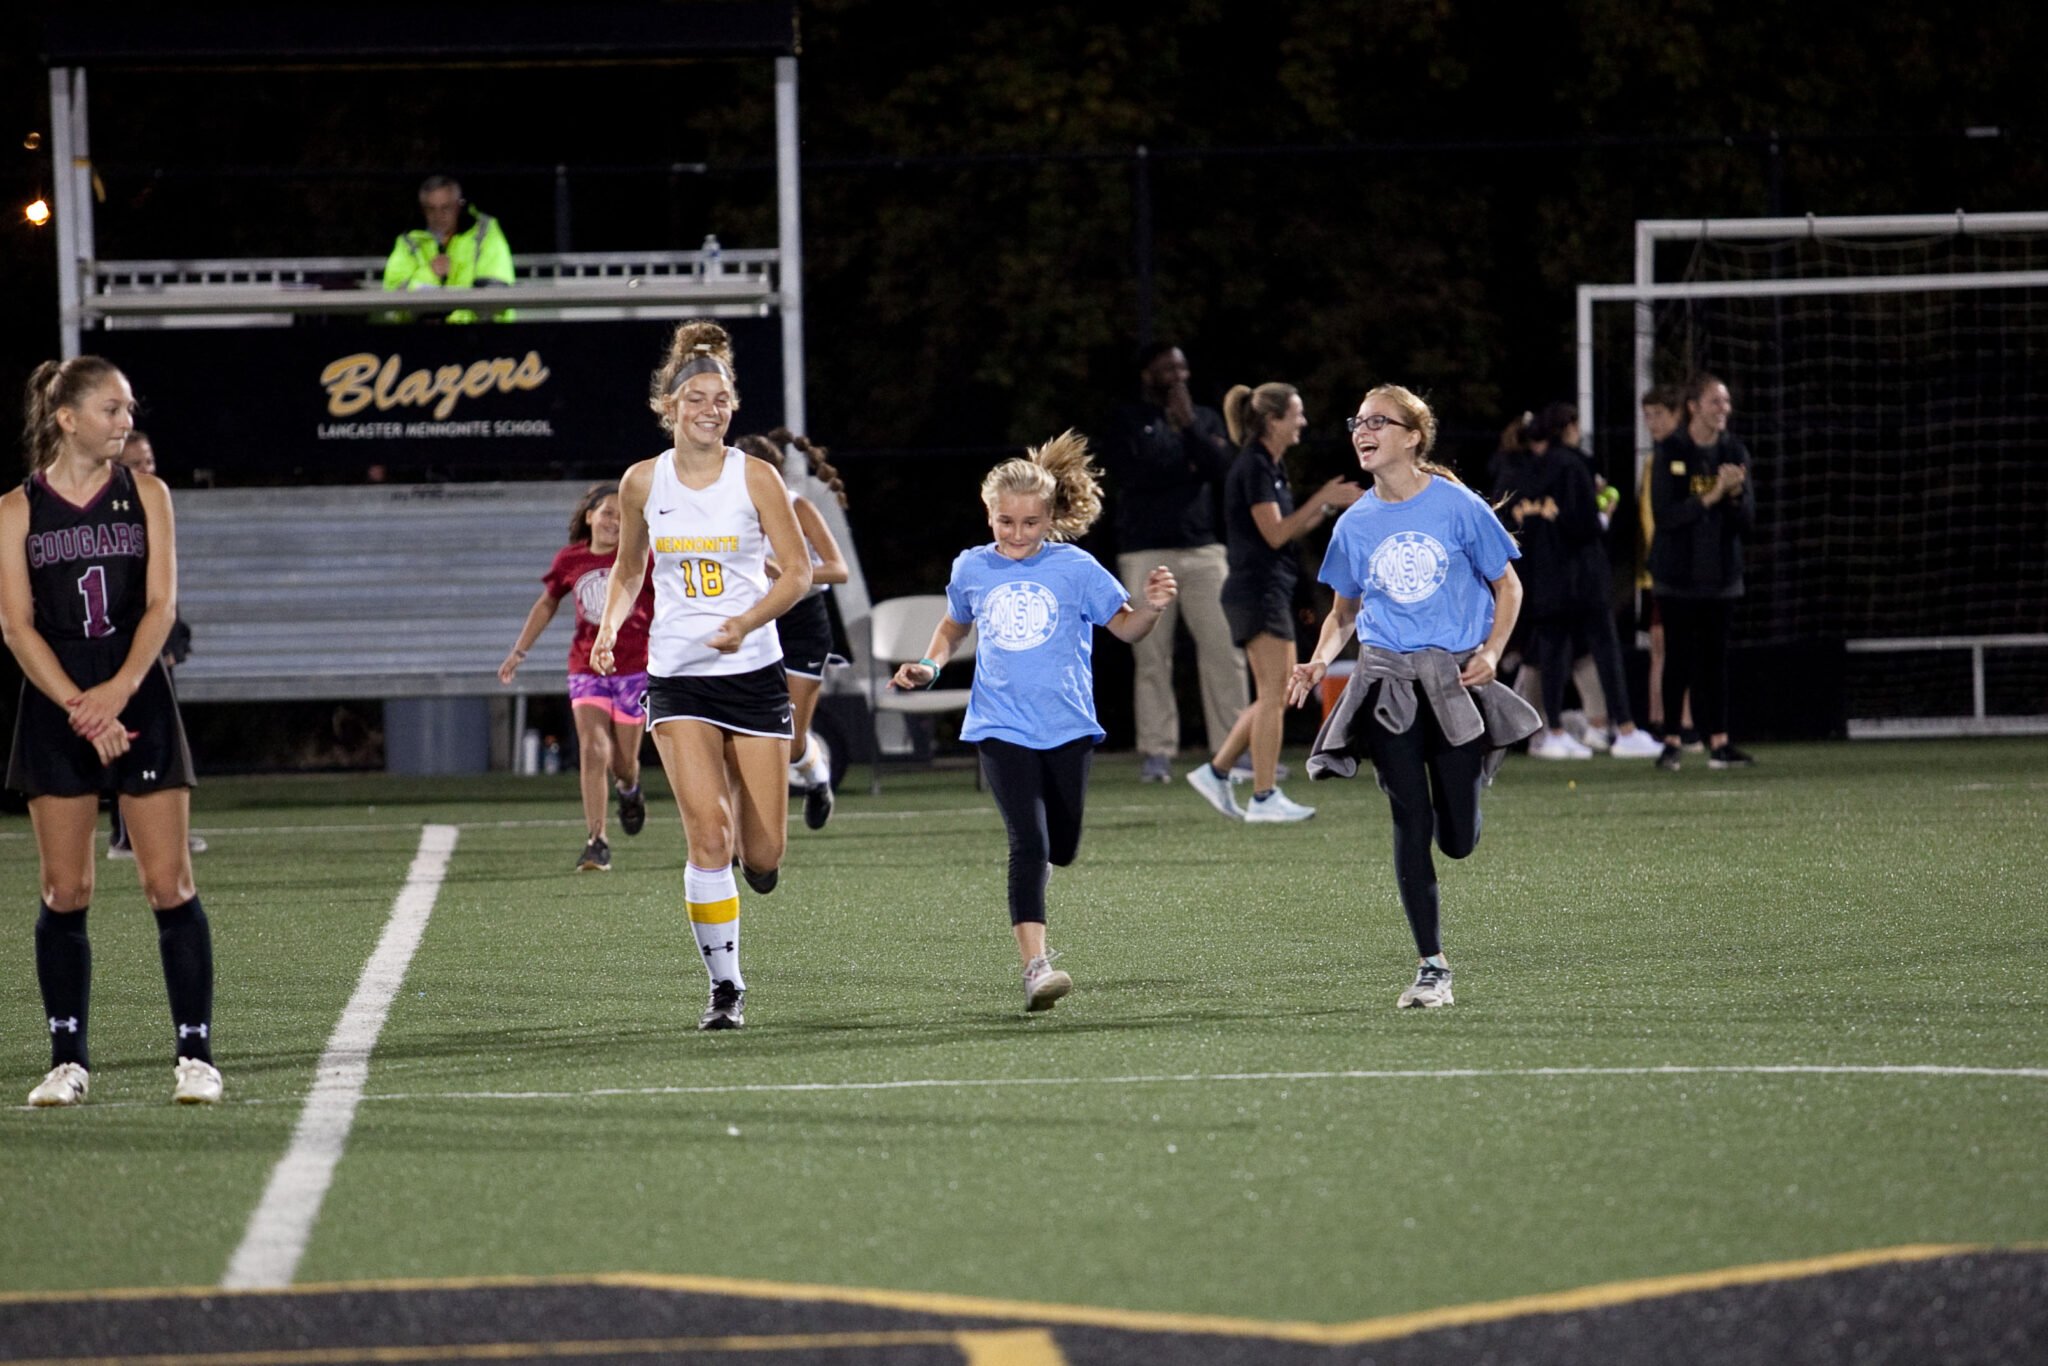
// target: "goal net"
[[1893, 390]]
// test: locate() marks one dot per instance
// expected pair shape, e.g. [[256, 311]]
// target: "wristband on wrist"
[[518, 653], [933, 681]]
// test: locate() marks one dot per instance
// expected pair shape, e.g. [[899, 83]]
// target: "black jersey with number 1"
[[88, 567]]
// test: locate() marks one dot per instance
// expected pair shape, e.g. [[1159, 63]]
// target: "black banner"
[[345, 402]]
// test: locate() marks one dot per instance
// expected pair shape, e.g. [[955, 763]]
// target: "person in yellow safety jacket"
[[440, 257]]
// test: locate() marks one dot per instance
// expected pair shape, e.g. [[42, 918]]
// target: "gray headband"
[[702, 364]]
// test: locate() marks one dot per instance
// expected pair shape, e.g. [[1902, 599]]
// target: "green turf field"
[[1665, 987]]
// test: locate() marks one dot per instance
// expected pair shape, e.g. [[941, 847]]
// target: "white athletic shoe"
[[1637, 744], [66, 1085], [1044, 984], [1557, 744], [1275, 807], [1214, 790], [198, 1083], [1595, 739], [1432, 989]]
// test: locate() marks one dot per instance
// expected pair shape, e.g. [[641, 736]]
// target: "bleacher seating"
[[376, 591]]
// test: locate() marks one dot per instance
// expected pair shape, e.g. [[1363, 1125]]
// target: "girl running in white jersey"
[[716, 692]]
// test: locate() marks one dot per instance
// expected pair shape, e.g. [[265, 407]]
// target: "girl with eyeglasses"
[[1423, 575]]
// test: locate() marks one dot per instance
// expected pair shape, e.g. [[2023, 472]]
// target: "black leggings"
[[1040, 793], [1433, 787], [1594, 629], [1696, 657]]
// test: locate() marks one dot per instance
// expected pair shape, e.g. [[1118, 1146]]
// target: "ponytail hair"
[[1246, 411], [51, 386], [579, 521], [1063, 473], [772, 445], [1422, 418], [698, 346]]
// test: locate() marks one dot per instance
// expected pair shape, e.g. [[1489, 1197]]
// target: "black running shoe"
[[632, 810], [728, 1008], [818, 805], [1728, 756], [763, 883], [597, 858], [1670, 757]]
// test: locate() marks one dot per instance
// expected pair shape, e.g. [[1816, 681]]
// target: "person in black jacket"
[[1549, 504], [1166, 457], [1704, 501]]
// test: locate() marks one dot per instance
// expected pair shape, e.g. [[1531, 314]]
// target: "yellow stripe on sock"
[[714, 912]]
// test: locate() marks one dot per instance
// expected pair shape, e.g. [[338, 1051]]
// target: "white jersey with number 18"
[[709, 564]]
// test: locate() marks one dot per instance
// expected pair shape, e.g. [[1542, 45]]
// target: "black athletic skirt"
[[754, 703], [806, 634], [49, 759]]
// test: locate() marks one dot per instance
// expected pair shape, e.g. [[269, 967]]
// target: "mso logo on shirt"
[[1409, 566], [1019, 615]]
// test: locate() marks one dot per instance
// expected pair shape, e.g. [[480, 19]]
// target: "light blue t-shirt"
[[1421, 568], [1034, 673]]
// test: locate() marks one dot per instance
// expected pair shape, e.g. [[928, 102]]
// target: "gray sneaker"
[[1156, 768], [1215, 790]]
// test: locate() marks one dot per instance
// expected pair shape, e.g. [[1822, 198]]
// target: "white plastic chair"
[[899, 629]]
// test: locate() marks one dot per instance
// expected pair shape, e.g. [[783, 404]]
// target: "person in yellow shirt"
[[447, 255]]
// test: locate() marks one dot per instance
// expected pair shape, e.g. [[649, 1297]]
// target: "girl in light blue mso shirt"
[[1036, 602], [1421, 569]]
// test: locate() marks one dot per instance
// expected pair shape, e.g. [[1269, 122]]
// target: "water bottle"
[[710, 263], [551, 756], [529, 751]]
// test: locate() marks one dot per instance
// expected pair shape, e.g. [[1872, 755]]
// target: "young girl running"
[[1420, 565], [716, 695], [88, 592], [1035, 602], [806, 629], [607, 708]]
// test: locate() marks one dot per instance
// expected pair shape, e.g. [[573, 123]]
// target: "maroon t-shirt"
[[579, 574]]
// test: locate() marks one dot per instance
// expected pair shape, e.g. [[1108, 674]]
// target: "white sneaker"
[[1044, 984], [1275, 806], [1432, 989], [1576, 725], [66, 1085], [1214, 790], [198, 1083], [1556, 744], [1637, 744], [1595, 739], [1241, 771]]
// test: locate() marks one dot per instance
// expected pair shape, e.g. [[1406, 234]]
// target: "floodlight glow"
[[38, 213]]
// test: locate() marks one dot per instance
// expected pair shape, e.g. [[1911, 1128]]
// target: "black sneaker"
[[632, 810], [728, 1008], [763, 883], [1728, 756], [818, 805], [1668, 758], [597, 858]]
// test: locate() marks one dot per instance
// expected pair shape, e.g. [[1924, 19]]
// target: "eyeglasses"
[[1373, 422]]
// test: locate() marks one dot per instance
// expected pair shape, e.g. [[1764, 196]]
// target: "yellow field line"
[[1129, 1320]]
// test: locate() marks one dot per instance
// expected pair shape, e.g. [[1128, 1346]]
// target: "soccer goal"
[[1890, 377]]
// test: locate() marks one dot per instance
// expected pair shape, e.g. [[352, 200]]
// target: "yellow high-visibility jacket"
[[478, 254]]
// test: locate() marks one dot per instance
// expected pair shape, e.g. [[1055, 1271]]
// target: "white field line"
[[1934, 1070], [283, 1222], [1199, 1078]]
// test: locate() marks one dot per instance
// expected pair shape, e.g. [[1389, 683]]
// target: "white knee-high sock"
[[713, 899]]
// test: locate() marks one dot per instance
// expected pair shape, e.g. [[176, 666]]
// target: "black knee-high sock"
[[185, 943], [64, 972]]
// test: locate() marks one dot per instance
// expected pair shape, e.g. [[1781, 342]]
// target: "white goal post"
[[1945, 670]]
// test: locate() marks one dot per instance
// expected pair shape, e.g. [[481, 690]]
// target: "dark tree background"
[[1338, 193]]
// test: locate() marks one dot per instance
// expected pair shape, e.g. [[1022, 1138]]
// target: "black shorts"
[[1264, 610], [49, 759], [753, 703], [806, 633]]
